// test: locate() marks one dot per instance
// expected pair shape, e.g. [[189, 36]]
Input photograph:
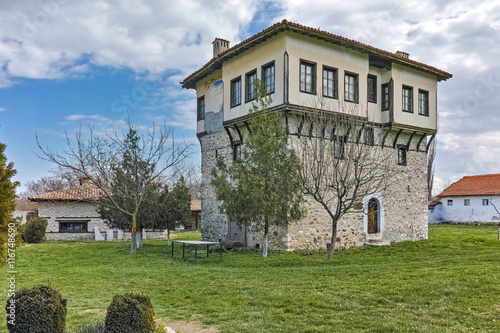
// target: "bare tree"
[[44, 185], [192, 176], [100, 156], [341, 163], [498, 212]]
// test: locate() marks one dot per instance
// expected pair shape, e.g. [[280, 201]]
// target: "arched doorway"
[[373, 216]]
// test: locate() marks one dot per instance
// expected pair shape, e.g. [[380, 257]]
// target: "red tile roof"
[[474, 185], [196, 205], [216, 62], [85, 192]]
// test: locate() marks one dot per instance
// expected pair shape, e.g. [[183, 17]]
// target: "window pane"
[[329, 83], [307, 78], [423, 103], [201, 108], [402, 156], [408, 99], [250, 86], [351, 87], [268, 78], [372, 88], [236, 92], [385, 97]]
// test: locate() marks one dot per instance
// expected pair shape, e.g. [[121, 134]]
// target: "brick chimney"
[[84, 180], [403, 55], [220, 45]]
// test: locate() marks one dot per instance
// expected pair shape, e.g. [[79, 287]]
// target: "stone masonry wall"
[[213, 224], [404, 203], [67, 211]]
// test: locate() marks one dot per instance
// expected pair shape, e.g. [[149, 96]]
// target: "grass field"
[[450, 282]]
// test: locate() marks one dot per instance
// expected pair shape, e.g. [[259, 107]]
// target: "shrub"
[[40, 309], [130, 313], [161, 329], [34, 230], [97, 327]]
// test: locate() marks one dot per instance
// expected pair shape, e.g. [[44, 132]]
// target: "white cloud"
[[52, 36]]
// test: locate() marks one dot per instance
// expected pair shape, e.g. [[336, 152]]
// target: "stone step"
[[377, 242]]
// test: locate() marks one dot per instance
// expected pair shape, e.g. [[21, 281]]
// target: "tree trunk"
[[333, 240], [168, 236], [138, 239], [133, 246], [133, 236], [266, 241]]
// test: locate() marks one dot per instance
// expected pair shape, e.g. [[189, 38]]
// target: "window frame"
[[82, 222], [339, 143], [374, 87], [347, 92], [487, 201], [402, 156], [369, 136], [466, 202], [335, 82], [449, 203], [410, 99], [272, 77], [426, 105], [200, 109], [235, 100], [237, 151], [250, 79], [386, 97], [313, 76]]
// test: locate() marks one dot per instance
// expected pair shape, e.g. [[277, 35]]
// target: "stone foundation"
[[404, 204]]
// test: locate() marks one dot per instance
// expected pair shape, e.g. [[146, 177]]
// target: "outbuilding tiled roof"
[[474, 185], [84, 192], [216, 62]]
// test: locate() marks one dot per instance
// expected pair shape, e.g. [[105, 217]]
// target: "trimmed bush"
[[40, 309], [130, 313], [34, 230]]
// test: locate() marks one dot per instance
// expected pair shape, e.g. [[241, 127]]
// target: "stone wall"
[[213, 224], [403, 204], [56, 212]]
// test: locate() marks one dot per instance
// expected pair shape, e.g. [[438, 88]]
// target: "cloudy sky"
[[65, 64]]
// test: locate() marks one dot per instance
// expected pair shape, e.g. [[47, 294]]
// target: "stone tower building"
[[300, 66]]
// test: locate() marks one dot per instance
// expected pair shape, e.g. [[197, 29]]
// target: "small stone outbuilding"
[[71, 213]]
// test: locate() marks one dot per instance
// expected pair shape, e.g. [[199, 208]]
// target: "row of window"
[[351, 88], [330, 88], [339, 143], [485, 202], [267, 77]]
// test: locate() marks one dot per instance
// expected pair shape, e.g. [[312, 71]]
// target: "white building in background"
[[471, 199]]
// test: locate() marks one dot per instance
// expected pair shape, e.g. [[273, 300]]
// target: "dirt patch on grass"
[[96, 311], [187, 326]]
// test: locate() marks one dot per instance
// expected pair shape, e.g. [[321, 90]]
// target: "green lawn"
[[448, 283]]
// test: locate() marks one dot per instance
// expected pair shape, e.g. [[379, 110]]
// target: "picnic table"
[[196, 243]]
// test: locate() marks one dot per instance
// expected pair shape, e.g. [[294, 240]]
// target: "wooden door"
[[372, 216], [236, 234]]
